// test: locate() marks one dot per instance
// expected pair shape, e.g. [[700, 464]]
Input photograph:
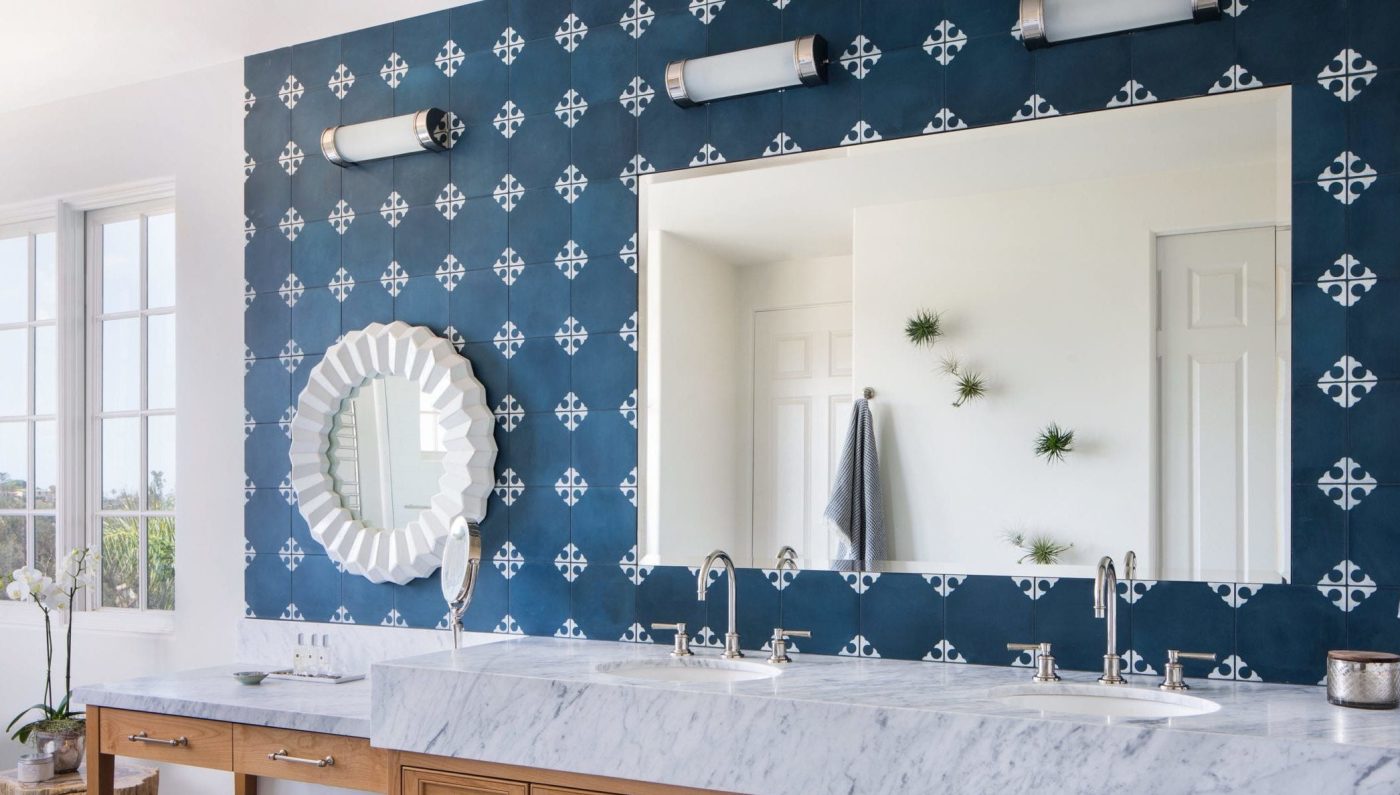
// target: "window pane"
[[160, 260], [121, 364], [14, 279], [121, 266], [11, 546], [45, 465], [121, 557], [14, 364], [121, 464], [160, 563], [45, 544], [160, 362], [45, 276], [45, 370], [14, 467], [161, 457]]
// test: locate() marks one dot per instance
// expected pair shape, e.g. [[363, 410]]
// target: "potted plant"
[[58, 730]]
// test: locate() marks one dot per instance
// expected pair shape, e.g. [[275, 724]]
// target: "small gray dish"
[[250, 677]]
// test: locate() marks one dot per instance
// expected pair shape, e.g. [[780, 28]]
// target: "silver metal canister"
[[1364, 679], [33, 768]]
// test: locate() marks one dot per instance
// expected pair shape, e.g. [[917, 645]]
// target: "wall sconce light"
[[1046, 22], [800, 62], [347, 144]]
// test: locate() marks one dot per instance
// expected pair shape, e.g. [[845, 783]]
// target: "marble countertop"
[[860, 725], [214, 694]]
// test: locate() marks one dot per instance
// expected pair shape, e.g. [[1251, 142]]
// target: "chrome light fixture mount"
[[1046, 22], [424, 130], [800, 62]]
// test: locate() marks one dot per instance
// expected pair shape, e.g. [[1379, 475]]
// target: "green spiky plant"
[[1054, 443], [1040, 549], [924, 327], [969, 384]]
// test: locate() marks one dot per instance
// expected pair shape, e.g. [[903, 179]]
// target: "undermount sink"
[[1103, 701], [692, 670]]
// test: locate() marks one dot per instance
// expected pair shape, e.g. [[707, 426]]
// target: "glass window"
[[133, 252], [28, 390]]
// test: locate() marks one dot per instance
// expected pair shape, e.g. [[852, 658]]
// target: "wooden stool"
[[129, 781]]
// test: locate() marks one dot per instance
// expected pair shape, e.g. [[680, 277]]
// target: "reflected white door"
[[802, 405], [1219, 402]]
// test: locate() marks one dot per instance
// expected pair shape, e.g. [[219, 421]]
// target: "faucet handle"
[[682, 648], [1174, 680], [1044, 660], [780, 639]]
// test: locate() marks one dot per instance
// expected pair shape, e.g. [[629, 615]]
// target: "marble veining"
[[214, 694], [840, 725]]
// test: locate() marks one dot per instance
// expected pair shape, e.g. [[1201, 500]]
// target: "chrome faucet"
[[1130, 565], [731, 637], [1106, 607]]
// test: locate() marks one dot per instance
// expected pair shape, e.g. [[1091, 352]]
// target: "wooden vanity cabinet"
[[420, 774], [253, 752]]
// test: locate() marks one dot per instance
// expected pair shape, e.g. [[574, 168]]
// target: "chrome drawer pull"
[[142, 737], [282, 756]]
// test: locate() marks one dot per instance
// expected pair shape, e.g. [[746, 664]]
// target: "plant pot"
[[65, 744]]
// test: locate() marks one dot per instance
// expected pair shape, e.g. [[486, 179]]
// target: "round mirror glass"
[[386, 452]]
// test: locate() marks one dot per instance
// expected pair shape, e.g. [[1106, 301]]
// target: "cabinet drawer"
[[350, 761], [417, 781], [166, 738], [546, 789]]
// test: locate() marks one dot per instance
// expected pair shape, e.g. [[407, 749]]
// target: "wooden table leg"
[[100, 767], [244, 784]]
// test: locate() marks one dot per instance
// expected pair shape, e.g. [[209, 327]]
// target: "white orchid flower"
[[16, 591]]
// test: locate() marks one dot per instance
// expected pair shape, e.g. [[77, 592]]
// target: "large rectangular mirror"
[[1120, 275]]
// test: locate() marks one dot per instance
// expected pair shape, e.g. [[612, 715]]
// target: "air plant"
[[924, 328], [969, 383], [1040, 549], [1054, 443]]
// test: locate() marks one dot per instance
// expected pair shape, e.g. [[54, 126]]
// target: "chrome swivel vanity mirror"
[[391, 448], [461, 560], [1120, 276]]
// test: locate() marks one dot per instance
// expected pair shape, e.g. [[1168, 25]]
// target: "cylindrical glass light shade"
[[733, 74], [1049, 21], [400, 135]]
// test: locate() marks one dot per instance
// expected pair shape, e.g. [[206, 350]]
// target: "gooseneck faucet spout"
[[1106, 607], [731, 635]]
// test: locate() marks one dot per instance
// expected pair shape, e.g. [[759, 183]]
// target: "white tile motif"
[[1346, 483], [1347, 280], [570, 32], [571, 108], [1132, 93], [290, 158], [508, 45], [508, 119], [571, 184], [449, 57], [571, 335], [1346, 178], [636, 96], [1347, 382], [290, 93], [1235, 78], [394, 278], [860, 56], [571, 259], [1347, 74], [394, 70], [637, 18], [509, 487], [946, 41], [341, 81]]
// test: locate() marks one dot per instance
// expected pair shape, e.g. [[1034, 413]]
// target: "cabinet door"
[[417, 781]]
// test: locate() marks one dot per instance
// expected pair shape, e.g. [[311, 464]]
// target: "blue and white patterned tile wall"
[[520, 245]]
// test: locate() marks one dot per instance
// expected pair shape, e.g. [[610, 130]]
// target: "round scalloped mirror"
[[391, 445]]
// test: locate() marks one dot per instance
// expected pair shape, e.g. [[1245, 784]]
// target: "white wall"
[[188, 128], [691, 401], [1049, 292]]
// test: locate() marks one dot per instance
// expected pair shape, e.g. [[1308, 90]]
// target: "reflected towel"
[[855, 506]]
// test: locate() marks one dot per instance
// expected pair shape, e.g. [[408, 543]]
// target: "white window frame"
[[95, 317], [68, 216], [30, 230]]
